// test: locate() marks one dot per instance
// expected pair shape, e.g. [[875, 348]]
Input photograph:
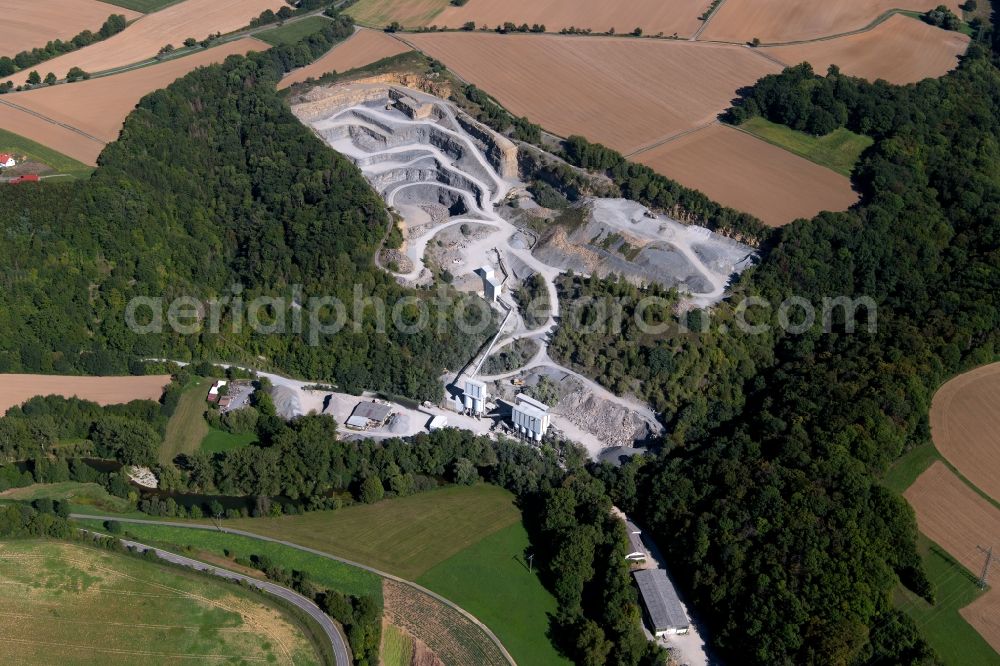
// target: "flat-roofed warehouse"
[[663, 606]]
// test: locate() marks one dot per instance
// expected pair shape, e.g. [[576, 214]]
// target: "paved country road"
[[472, 618], [337, 641]]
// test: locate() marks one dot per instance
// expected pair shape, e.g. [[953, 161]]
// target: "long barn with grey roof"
[[663, 607]]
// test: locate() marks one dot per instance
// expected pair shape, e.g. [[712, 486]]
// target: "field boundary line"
[[52, 121], [673, 137], [383, 574], [767, 56], [785, 148]]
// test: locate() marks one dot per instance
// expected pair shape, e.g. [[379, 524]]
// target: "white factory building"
[[492, 287], [530, 417], [475, 397]]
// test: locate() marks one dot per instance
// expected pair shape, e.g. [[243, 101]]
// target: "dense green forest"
[[213, 187], [768, 501]]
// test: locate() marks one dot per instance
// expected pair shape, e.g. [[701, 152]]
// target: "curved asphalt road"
[[340, 651], [472, 618]]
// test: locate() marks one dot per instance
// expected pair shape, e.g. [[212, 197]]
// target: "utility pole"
[[531, 561], [986, 566]]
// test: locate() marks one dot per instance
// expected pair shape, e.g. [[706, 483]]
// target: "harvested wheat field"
[[410, 13], [792, 20], [965, 425], [98, 107], [28, 24], [624, 93], [901, 50], [363, 48], [144, 38], [983, 615], [743, 172], [17, 389], [653, 16], [55, 136], [955, 517]]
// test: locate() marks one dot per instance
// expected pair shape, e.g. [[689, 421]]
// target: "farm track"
[[777, 22], [384, 575], [53, 121], [668, 139], [704, 24]]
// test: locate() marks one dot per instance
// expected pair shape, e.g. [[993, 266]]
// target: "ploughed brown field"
[[144, 38], [743, 172], [955, 517], [900, 50], [28, 24], [98, 107], [17, 389], [653, 16], [624, 93], [965, 425], [364, 47], [793, 20]]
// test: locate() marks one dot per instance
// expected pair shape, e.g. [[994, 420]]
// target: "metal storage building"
[[637, 550], [663, 607]]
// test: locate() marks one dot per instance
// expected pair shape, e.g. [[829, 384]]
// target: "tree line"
[[114, 24]]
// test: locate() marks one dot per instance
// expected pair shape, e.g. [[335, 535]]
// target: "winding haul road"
[[388, 148], [230, 574]]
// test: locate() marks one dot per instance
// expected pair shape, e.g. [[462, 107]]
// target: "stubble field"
[[28, 24], [364, 47], [965, 425], [16, 389], [144, 38], [98, 107], [749, 174], [624, 93], [793, 20], [653, 16], [91, 606], [955, 517], [900, 50]]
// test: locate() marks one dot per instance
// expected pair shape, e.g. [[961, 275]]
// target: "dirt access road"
[[337, 642], [312, 551]]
